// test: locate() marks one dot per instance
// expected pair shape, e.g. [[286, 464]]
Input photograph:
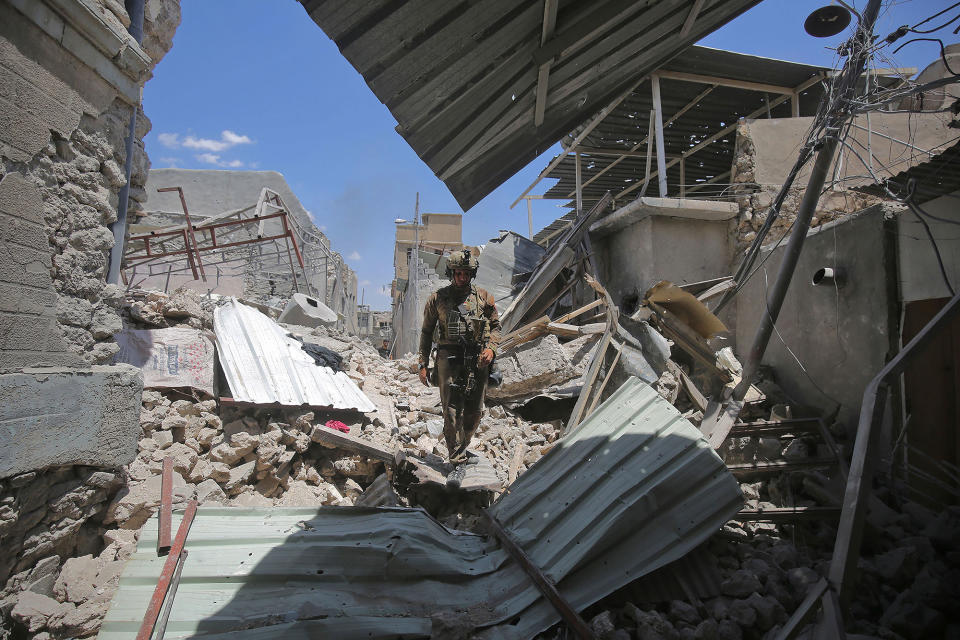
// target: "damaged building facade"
[[233, 467]]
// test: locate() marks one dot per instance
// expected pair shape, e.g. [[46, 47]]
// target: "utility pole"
[[413, 275], [718, 424]]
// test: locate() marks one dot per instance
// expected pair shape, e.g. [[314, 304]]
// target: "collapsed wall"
[[257, 272], [876, 147]]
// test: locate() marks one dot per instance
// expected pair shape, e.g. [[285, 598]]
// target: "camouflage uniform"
[[457, 335]]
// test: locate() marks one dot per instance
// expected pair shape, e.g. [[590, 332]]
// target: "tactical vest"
[[465, 321]]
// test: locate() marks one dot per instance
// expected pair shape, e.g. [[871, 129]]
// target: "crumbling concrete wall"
[[767, 148], [70, 75], [65, 105], [656, 248], [920, 277], [242, 271], [408, 314], [841, 334]]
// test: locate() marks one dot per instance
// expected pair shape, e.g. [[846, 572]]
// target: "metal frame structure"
[[179, 249]]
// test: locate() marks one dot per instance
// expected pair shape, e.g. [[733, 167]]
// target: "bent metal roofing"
[[467, 81], [632, 490]]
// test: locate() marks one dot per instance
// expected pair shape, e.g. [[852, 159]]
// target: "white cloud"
[[227, 140], [233, 138], [214, 159], [384, 291], [364, 283], [171, 162], [169, 140], [354, 256], [322, 227]]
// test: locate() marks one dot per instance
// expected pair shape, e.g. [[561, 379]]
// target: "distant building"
[[438, 234]]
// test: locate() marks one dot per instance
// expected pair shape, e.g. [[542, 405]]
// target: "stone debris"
[[75, 527]]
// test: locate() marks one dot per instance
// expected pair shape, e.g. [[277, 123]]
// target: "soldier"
[[468, 332]]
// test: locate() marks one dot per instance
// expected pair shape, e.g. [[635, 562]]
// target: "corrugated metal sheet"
[[263, 365], [461, 78], [627, 125], [503, 258], [938, 176], [634, 489]]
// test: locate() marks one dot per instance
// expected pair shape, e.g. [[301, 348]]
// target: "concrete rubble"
[[264, 456]]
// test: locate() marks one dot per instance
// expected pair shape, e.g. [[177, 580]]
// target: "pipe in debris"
[[827, 276], [135, 8]]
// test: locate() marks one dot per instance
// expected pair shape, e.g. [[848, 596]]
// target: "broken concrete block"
[[33, 610], [230, 454], [530, 368], [77, 621], [76, 582], [184, 458], [356, 467], [141, 497], [101, 428], [173, 421], [299, 494], [238, 477], [250, 498], [209, 491], [740, 584], [163, 439]]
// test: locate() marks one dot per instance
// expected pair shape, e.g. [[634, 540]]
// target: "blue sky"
[[255, 84]]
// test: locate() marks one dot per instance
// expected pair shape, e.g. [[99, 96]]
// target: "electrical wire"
[[790, 351]]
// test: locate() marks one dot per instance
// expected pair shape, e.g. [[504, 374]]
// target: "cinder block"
[[61, 416], [26, 233], [22, 130]]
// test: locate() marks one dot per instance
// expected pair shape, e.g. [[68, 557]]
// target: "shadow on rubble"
[[594, 514]]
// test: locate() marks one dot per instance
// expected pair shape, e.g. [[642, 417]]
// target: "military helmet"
[[462, 259]]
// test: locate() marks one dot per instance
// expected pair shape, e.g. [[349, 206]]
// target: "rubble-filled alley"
[[727, 412]]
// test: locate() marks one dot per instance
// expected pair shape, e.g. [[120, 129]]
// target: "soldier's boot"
[[455, 478]]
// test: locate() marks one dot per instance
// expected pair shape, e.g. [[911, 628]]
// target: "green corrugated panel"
[[634, 488]]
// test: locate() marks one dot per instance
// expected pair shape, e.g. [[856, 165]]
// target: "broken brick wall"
[[69, 77], [764, 152], [66, 110]]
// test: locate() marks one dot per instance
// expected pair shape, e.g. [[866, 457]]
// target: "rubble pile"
[[272, 456], [58, 567], [153, 309]]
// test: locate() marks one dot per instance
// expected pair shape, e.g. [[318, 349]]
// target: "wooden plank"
[[697, 398], [576, 312], [606, 379], [543, 72], [778, 466], [726, 82], [788, 514], [595, 362], [688, 340], [515, 463], [803, 613], [165, 515], [541, 580], [691, 18], [339, 440]]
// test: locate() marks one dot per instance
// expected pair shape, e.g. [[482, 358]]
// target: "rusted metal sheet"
[[264, 365], [633, 489]]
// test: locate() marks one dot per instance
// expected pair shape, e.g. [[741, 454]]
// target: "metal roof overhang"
[[704, 92], [480, 89]]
